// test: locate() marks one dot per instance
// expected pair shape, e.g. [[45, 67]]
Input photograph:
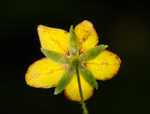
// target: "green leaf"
[[54, 56], [73, 42], [93, 52], [88, 76], [64, 81]]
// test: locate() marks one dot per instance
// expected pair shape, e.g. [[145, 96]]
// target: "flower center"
[[75, 60]]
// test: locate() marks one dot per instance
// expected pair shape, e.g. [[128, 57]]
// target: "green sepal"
[[93, 52], [88, 76], [64, 81], [54, 56], [73, 42]]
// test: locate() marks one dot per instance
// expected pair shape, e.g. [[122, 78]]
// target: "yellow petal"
[[87, 35], [72, 90], [53, 39], [44, 74], [105, 66]]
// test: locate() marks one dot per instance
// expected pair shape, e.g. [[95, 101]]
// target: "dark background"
[[123, 25]]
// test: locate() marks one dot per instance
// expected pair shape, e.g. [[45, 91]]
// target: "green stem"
[[85, 111]]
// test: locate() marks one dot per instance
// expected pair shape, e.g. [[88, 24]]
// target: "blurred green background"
[[123, 25]]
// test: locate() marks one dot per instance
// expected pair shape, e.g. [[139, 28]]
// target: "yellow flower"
[[46, 73]]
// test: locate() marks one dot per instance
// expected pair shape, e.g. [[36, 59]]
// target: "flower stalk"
[[85, 111]]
